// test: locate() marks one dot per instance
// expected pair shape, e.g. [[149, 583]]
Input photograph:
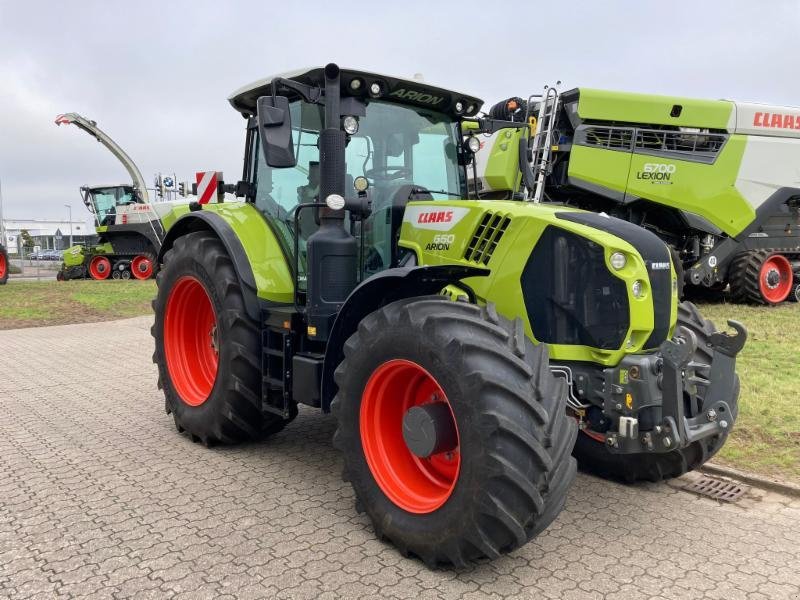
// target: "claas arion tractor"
[[460, 343]]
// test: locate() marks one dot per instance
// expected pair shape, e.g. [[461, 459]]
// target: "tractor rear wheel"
[[453, 430], [593, 454], [4, 266], [761, 277], [208, 349], [100, 267]]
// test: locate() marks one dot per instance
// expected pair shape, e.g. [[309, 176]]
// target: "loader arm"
[[92, 129]]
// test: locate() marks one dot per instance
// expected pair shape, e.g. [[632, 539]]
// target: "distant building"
[[50, 234]]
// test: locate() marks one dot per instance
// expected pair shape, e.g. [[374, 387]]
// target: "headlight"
[[375, 89], [355, 84], [638, 288], [473, 144], [618, 260], [459, 107], [350, 125]]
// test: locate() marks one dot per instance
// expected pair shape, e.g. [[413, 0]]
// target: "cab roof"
[[394, 89]]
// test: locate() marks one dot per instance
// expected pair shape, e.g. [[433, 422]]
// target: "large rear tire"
[[761, 277], [594, 457], [208, 350], [508, 475], [5, 266]]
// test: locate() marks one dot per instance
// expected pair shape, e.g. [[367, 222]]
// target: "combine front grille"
[[693, 145], [486, 237]]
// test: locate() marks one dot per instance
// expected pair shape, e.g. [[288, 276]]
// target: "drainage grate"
[[726, 491]]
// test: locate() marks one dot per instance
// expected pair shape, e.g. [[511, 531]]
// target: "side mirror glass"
[[275, 131]]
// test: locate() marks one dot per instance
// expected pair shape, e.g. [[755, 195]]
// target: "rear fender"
[[380, 290]]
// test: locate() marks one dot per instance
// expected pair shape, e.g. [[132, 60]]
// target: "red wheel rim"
[[775, 279], [100, 267], [417, 485], [142, 267], [190, 341], [3, 266]]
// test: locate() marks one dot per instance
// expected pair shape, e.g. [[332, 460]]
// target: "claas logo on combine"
[[776, 120]]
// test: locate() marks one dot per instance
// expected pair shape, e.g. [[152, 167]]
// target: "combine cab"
[[716, 180]]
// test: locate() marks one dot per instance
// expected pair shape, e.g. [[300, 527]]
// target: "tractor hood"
[[361, 84]]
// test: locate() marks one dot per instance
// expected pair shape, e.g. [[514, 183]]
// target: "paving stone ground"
[[100, 497]]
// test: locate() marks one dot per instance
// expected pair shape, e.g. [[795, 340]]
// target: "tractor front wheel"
[[208, 349], [453, 430]]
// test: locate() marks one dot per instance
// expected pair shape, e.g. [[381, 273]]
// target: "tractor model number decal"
[[414, 96], [441, 242], [429, 217], [657, 173]]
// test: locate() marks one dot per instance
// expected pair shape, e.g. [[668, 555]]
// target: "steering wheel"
[[387, 172]]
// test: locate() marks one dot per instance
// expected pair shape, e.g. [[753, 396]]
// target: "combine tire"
[[5, 266], [761, 277], [453, 430], [593, 455], [208, 350], [100, 267], [142, 266]]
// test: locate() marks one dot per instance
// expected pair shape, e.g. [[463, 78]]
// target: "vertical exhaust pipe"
[[332, 251]]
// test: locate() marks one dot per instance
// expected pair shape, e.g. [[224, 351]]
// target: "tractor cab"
[[104, 201], [402, 142]]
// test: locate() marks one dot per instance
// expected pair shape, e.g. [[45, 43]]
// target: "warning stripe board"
[[206, 186]]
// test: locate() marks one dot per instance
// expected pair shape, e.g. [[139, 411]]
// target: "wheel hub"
[[429, 429], [773, 278]]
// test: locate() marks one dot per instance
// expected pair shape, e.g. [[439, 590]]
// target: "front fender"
[[377, 291]]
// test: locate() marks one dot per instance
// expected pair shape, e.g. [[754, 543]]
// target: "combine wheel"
[[4, 266], [761, 277], [100, 267], [594, 457], [142, 266], [208, 350], [116, 275], [453, 430], [126, 274]]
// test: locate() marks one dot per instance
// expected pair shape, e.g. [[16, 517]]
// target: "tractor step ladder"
[[541, 147]]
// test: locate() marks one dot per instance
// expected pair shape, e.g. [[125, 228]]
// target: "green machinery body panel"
[[437, 244]]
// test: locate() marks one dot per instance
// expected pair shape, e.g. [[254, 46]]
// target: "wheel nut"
[[723, 424], [711, 415]]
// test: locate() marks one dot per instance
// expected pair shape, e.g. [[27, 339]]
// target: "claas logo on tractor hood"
[[436, 219]]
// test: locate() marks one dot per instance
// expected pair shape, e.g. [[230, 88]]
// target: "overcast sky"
[[156, 75]]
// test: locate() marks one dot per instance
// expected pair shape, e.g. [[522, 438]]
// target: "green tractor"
[[461, 344], [5, 265], [716, 180]]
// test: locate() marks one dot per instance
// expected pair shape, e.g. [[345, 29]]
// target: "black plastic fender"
[[208, 221], [379, 290]]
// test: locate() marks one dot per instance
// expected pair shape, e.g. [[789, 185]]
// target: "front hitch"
[[686, 416]]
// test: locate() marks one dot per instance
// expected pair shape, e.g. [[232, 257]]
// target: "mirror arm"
[[311, 94]]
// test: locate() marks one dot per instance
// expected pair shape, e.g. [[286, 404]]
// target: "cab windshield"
[[405, 153], [105, 200]]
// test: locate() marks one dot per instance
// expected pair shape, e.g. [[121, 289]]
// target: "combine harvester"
[[460, 343], [717, 180], [130, 229]]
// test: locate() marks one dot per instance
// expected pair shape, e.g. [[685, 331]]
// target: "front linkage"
[[696, 398]]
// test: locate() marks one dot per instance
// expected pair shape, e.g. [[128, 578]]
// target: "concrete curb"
[[760, 481]]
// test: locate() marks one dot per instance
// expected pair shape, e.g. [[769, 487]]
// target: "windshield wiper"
[[416, 191]]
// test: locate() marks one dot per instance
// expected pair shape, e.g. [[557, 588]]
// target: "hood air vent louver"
[[486, 237]]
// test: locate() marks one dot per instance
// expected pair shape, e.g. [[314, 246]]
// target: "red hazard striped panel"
[[206, 185]]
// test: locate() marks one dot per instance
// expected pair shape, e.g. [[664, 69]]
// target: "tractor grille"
[[486, 237]]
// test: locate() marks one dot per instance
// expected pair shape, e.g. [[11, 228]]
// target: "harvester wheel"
[[4, 266], [594, 457], [100, 267], [453, 430], [761, 277], [208, 350], [142, 266]]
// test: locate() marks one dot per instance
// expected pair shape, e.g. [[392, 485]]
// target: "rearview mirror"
[[275, 131]]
